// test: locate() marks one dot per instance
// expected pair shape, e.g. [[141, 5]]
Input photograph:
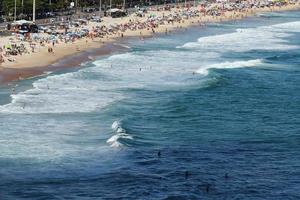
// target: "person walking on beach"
[[50, 49]]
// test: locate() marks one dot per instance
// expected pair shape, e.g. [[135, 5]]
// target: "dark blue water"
[[221, 104]]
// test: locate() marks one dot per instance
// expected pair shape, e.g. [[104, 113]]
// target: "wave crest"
[[261, 38], [230, 65], [120, 134]]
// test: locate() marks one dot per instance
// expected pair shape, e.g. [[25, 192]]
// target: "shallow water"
[[215, 100]]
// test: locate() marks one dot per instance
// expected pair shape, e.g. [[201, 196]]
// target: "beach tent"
[[279, 1], [24, 26], [23, 31], [20, 22], [115, 12]]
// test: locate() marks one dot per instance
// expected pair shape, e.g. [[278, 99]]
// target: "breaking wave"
[[230, 65], [117, 140], [260, 38]]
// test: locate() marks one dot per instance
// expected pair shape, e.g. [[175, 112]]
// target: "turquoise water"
[[221, 103]]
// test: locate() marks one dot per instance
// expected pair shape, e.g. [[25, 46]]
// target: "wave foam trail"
[[230, 65], [63, 93], [100, 85], [260, 38], [288, 27], [115, 140], [278, 15]]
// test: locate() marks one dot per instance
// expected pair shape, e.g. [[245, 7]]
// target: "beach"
[[206, 112], [41, 58]]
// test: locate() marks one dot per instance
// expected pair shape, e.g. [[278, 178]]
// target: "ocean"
[[205, 113]]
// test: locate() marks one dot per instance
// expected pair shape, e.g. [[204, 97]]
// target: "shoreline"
[[92, 48], [8, 75]]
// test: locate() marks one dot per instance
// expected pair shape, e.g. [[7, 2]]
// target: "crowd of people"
[[147, 19]]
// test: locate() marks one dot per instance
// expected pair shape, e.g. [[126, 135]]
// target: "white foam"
[[114, 141], [279, 14], [115, 125], [160, 69], [63, 93], [288, 27], [229, 65], [260, 38]]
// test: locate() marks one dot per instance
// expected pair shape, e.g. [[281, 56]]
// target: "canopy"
[[115, 10], [20, 22]]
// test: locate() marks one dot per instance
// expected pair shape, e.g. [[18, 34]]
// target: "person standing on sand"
[[1, 58]]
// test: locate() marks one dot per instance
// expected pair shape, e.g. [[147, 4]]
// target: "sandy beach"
[[34, 63]]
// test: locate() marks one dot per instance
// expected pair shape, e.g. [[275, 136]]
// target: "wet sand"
[[72, 61]]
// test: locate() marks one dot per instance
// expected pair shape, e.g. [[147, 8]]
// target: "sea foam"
[[120, 134], [260, 38], [229, 65]]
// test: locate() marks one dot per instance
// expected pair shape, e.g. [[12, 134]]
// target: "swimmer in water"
[[186, 174], [226, 176], [207, 188]]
